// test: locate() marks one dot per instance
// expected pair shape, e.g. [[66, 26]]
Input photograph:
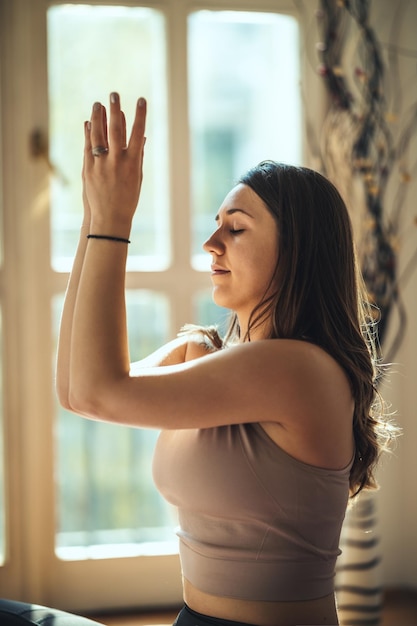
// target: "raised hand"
[[112, 170]]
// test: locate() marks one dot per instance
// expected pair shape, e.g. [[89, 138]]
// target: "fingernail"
[[141, 102], [96, 106], [114, 97], [88, 125]]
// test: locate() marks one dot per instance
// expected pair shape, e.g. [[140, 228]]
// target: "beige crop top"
[[254, 523]]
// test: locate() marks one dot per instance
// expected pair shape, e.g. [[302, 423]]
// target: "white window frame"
[[32, 571]]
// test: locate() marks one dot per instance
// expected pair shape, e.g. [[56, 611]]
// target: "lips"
[[218, 270]]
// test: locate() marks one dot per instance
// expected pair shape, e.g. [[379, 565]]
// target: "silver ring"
[[99, 150]]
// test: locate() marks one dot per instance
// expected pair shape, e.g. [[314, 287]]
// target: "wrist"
[[110, 229], [108, 238]]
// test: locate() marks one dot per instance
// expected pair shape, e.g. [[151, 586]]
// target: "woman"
[[261, 442]]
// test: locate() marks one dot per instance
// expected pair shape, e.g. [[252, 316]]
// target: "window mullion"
[[179, 160]]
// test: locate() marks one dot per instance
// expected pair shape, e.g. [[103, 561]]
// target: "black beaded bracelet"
[[109, 237]]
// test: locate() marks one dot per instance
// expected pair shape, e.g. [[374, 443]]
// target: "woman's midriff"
[[321, 611]]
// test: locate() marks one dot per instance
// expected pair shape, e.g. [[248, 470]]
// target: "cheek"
[[266, 258], [260, 272]]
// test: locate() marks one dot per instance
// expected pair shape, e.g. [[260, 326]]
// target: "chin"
[[233, 301], [221, 301], [224, 302]]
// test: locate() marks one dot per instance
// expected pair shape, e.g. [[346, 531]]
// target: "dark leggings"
[[188, 617]]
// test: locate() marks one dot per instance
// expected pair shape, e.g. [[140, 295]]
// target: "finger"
[[87, 136], [137, 136], [116, 126], [123, 129], [88, 155], [104, 113], [98, 132], [142, 156]]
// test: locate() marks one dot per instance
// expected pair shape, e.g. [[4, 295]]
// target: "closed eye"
[[236, 231]]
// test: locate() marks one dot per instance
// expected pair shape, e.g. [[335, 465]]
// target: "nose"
[[214, 244]]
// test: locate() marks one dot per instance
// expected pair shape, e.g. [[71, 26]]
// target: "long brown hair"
[[317, 295]]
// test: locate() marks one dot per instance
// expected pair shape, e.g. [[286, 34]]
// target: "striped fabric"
[[358, 573]]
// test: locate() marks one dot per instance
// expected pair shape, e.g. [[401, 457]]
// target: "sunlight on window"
[[244, 104], [93, 50], [107, 502]]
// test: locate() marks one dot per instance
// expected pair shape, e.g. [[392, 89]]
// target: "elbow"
[[69, 403], [91, 404], [81, 395], [69, 400], [62, 394], [97, 397], [83, 404]]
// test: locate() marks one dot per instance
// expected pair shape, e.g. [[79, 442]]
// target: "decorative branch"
[[358, 148]]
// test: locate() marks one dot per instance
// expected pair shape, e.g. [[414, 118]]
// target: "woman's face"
[[244, 252]]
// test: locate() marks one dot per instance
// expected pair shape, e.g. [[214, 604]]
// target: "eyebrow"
[[231, 211]]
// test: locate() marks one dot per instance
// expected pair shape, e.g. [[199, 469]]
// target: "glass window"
[[93, 50], [107, 503], [244, 103]]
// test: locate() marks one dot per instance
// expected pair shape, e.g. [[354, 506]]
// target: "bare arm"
[[112, 184], [65, 332], [64, 340]]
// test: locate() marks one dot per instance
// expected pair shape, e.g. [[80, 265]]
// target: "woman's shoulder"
[[299, 354], [313, 366], [200, 341], [312, 380], [198, 347]]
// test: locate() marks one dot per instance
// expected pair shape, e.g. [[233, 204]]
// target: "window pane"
[[106, 500], [2, 499], [93, 50], [244, 103]]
